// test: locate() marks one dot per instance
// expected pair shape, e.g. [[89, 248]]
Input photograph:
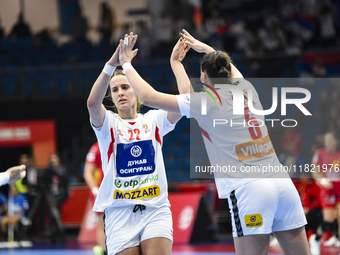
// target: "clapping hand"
[[126, 54], [179, 51], [114, 60], [195, 44]]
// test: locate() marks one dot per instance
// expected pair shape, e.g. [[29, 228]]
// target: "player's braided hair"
[[108, 94]]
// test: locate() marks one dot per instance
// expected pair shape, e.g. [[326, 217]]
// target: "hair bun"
[[223, 72]]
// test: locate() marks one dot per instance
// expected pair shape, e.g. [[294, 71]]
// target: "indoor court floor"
[[73, 248]]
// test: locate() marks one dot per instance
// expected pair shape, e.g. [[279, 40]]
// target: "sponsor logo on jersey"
[[118, 183], [136, 151], [135, 158], [142, 193], [139, 181], [253, 220], [254, 149]]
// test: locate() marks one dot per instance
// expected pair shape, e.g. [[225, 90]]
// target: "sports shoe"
[[331, 241], [314, 245], [337, 243]]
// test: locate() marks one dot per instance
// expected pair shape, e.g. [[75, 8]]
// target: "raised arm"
[[95, 105], [177, 55], [148, 95], [201, 47]]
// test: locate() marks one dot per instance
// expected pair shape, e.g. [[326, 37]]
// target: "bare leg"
[[15, 221], [4, 223], [338, 217], [156, 246], [252, 244], [293, 241], [130, 251], [101, 233], [329, 214]]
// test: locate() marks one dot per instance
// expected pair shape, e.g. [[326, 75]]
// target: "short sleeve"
[[184, 104], [167, 125], [162, 119], [102, 131]]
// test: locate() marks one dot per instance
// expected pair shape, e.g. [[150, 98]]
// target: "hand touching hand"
[[195, 44], [126, 54], [114, 60]]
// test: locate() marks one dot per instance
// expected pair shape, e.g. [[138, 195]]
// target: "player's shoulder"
[[243, 83], [153, 114], [112, 114]]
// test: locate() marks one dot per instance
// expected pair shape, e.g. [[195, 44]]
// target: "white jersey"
[[240, 153], [132, 160]]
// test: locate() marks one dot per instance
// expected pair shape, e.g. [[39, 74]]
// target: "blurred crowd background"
[[52, 51]]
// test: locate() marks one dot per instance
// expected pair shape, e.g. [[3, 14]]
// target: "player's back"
[[238, 146]]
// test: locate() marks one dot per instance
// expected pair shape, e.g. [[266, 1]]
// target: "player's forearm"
[[98, 91], [89, 171], [143, 90], [235, 73], [90, 181], [182, 79], [95, 107], [207, 49]]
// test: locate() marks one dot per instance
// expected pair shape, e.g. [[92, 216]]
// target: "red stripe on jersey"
[[132, 123], [205, 133], [110, 151], [158, 138]]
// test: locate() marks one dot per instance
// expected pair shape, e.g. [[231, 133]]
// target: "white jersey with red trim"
[[132, 160], [239, 153]]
